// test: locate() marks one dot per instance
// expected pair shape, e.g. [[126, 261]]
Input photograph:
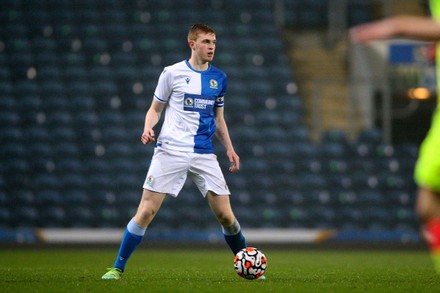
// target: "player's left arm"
[[222, 134]]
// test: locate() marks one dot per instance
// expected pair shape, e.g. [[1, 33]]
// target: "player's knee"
[[428, 204], [425, 213], [421, 213], [146, 215], [225, 219]]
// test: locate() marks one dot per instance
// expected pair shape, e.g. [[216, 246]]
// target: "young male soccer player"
[[427, 172], [192, 94]]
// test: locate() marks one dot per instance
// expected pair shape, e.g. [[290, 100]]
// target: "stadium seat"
[[63, 134], [52, 89], [76, 198], [78, 88], [49, 73], [298, 134], [99, 184], [76, 72], [14, 157], [370, 135], [40, 149], [48, 197], [14, 29], [86, 118], [256, 165], [46, 60], [311, 181], [52, 216], [9, 118], [109, 216], [300, 218], [276, 149], [25, 217], [24, 88], [61, 118], [372, 199], [6, 87], [10, 135], [97, 165], [304, 150], [81, 217], [104, 89], [247, 217], [408, 150], [21, 60], [74, 180], [326, 218], [6, 218], [115, 135], [332, 150], [130, 197], [393, 181]]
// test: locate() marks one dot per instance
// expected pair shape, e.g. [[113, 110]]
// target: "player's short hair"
[[199, 28]]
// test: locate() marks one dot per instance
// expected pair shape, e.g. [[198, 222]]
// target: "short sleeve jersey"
[[191, 98]]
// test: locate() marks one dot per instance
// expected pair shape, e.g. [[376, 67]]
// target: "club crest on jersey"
[[150, 180], [189, 102], [213, 84]]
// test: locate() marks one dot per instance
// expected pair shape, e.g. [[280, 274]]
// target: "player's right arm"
[[161, 96], [414, 27], [151, 119]]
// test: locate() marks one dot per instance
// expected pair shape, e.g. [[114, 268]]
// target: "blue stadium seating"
[[70, 120]]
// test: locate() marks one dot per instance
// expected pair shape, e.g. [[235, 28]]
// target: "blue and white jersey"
[[191, 98]]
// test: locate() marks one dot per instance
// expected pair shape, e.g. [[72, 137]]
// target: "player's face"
[[204, 47]]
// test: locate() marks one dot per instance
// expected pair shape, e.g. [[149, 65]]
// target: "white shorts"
[[169, 169]]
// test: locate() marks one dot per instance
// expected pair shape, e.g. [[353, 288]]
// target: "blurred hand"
[[234, 159], [148, 136]]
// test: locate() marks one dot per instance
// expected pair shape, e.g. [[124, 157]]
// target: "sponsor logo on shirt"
[[198, 103]]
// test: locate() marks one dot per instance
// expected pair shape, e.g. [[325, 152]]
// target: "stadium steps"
[[402, 7], [321, 72]]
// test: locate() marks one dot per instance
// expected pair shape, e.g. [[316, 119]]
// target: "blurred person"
[[192, 94], [427, 171]]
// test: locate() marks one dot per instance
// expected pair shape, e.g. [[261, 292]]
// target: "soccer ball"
[[250, 263]]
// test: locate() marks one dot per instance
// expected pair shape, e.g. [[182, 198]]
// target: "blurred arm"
[[151, 119], [222, 134], [413, 27]]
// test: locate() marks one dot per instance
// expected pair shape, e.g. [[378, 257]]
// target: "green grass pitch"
[[211, 270]]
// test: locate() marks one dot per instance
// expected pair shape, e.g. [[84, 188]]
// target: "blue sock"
[[234, 237], [236, 242], [132, 238]]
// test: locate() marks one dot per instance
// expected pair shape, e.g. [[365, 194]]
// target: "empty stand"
[[77, 77]]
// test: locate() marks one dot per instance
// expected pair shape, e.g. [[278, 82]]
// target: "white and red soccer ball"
[[250, 263]]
